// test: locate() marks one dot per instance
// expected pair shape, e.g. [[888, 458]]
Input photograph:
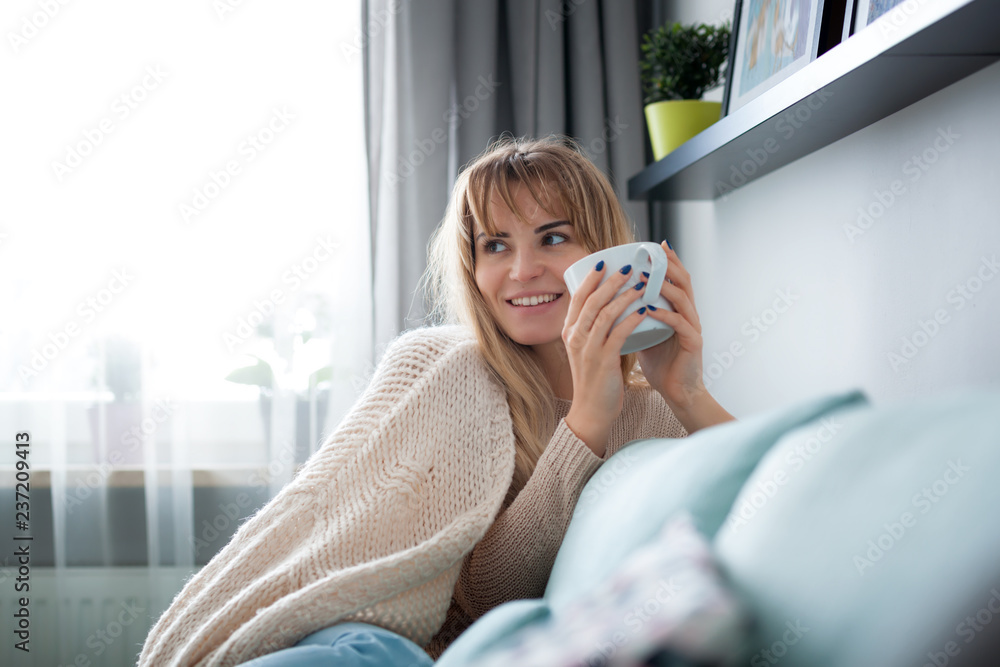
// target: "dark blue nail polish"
[[652, 307], [645, 273], [600, 265], [668, 244], [626, 269], [639, 286], [642, 311]]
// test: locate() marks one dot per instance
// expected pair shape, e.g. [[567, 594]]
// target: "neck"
[[555, 364]]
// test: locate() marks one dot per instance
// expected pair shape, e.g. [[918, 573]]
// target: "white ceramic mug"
[[644, 257]]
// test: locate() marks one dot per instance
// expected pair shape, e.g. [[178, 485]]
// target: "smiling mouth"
[[533, 300]]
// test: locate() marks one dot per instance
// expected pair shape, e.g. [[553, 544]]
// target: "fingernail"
[[639, 286], [645, 273], [652, 307], [642, 311], [600, 265], [668, 244], [626, 269]]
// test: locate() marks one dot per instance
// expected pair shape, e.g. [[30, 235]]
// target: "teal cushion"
[[627, 501], [491, 630], [868, 539]]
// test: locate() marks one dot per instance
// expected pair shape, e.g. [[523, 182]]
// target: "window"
[[184, 202]]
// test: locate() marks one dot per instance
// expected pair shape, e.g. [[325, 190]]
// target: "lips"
[[535, 300]]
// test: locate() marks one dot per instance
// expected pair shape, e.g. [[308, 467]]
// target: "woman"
[[448, 488]]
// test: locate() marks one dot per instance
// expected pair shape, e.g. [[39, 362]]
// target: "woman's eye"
[[555, 239], [493, 247]]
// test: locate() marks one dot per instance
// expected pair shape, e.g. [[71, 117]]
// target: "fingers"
[[592, 315], [602, 330], [618, 335], [581, 294], [676, 272], [687, 334], [679, 291], [590, 298], [681, 300]]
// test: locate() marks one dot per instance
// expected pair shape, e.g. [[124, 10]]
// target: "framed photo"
[[869, 10], [771, 39]]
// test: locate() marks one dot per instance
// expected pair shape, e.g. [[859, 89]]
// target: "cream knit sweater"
[[394, 521]]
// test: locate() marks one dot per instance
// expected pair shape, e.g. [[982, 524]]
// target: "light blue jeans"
[[348, 645]]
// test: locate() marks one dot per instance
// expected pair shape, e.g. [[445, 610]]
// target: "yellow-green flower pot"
[[674, 122]]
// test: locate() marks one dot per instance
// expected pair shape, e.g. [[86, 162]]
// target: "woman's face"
[[520, 270]]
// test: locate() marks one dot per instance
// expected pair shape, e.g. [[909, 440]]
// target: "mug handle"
[[657, 274]]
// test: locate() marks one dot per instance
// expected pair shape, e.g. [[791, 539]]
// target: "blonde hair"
[[554, 170]]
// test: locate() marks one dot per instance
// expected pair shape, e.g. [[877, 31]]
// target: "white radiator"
[[84, 617]]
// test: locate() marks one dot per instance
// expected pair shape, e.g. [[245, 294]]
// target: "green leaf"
[[259, 374], [682, 62], [324, 374]]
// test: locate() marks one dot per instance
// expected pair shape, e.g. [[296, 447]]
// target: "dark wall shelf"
[[873, 74]]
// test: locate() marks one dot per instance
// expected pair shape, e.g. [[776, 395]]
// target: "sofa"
[[832, 532]]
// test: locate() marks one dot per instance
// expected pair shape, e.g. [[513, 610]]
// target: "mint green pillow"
[[633, 493], [870, 543], [491, 629], [628, 500]]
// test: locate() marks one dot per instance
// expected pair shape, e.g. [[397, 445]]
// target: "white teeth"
[[534, 300]]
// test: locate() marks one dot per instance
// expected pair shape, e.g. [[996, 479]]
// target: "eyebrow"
[[538, 230]]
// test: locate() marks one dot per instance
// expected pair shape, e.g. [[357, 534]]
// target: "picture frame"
[[771, 39], [869, 10]]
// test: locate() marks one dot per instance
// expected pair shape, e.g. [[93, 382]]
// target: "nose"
[[525, 266]]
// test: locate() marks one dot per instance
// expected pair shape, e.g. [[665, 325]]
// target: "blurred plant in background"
[[305, 369]]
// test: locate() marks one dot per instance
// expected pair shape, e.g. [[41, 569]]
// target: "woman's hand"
[[674, 367], [594, 347]]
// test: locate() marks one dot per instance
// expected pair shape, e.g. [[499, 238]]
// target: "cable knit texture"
[[375, 526], [399, 519]]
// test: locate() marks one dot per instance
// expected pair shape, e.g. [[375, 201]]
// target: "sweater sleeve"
[[515, 557]]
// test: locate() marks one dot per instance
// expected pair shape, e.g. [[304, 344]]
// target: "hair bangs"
[[541, 173]]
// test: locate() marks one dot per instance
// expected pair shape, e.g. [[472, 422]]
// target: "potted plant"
[[305, 371], [679, 63]]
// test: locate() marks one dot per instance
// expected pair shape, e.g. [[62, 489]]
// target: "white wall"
[[856, 297]]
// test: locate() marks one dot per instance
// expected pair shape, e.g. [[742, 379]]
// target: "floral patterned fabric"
[[667, 598]]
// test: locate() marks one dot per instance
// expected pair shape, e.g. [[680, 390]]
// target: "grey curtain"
[[444, 77]]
